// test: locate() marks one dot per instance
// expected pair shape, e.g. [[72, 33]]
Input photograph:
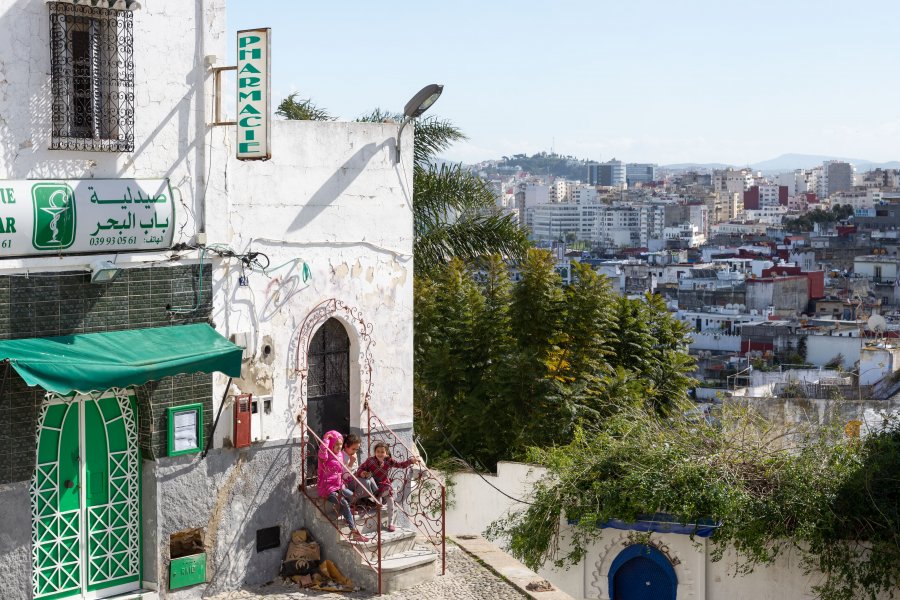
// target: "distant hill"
[[543, 164], [570, 167], [695, 166], [789, 162]]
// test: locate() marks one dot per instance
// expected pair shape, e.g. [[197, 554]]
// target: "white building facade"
[[300, 260]]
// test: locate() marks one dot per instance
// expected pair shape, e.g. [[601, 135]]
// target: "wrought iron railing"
[[420, 495], [310, 443]]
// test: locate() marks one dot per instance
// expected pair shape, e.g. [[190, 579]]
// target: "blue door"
[[642, 573]]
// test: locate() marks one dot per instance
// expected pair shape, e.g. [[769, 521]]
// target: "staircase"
[[405, 560], [388, 562]]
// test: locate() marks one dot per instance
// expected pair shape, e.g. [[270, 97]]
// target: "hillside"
[[543, 164]]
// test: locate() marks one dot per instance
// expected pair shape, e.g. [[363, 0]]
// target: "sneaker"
[[390, 528]]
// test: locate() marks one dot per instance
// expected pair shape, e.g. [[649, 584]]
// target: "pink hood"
[[330, 468]]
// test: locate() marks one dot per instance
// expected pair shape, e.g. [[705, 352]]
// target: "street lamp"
[[417, 105]]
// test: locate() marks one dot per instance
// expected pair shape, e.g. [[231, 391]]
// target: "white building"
[[860, 200], [166, 430], [767, 215], [732, 180], [557, 220], [739, 228], [687, 235]]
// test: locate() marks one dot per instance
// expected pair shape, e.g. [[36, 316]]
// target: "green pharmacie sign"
[[253, 94], [81, 216]]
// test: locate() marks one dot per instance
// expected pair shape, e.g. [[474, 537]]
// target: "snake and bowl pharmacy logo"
[[54, 216]]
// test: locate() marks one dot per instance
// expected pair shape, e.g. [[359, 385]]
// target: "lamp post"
[[417, 105]]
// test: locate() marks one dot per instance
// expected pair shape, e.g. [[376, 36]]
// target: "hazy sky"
[[640, 80]]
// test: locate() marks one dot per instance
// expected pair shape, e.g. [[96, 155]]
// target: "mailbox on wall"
[[242, 414]]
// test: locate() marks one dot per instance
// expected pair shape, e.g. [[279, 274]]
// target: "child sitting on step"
[[379, 467], [331, 480]]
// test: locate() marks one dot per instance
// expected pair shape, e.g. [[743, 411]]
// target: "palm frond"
[[468, 237], [301, 110], [379, 115], [433, 135], [449, 189]]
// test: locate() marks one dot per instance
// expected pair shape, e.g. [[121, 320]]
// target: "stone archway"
[[359, 332], [596, 584]]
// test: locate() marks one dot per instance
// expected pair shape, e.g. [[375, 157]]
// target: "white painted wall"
[[171, 86], [475, 504], [715, 341], [332, 197], [820, 349], [877, 362]]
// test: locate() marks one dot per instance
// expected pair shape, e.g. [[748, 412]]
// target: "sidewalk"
[[465, 578], [507, 566]]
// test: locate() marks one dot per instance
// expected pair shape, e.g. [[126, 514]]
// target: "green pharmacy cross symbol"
[[54, 216]]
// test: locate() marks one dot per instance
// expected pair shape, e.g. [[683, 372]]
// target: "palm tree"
[[454, 212]]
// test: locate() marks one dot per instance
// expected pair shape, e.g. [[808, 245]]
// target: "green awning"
[[99, 361]]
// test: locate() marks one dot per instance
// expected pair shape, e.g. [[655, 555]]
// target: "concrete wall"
[[877, 362], [230, 495], [792, 411], [475, 505], [470, 497], [15, 541]]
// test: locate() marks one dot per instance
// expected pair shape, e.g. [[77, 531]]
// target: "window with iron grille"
[[92, 78]]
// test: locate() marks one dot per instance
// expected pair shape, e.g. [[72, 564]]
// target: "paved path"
[[465, 579]]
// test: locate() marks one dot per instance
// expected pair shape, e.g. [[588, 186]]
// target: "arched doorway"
[[642, 572], [328, 379]]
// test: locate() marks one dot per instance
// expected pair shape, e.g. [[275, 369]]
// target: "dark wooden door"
[[328, 383]]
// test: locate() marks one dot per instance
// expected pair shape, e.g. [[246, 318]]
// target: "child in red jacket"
[[379, 467]]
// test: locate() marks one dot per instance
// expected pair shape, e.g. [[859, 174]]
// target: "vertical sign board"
[[254, 109]]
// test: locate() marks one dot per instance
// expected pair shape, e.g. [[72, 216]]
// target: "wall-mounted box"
[[260, 414], [187, 570], [242, 420]]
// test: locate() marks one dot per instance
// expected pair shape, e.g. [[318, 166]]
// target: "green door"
[[85, 498]]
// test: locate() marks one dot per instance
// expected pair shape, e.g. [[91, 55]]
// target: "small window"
[[185, 429], [92, 78]]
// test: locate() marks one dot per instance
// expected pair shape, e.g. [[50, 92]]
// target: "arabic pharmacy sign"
[[253, 91], [80, 216]]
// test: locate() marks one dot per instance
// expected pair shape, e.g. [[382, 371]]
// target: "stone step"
[[396, 542], [404, 562], [407, 569], [135, 595]]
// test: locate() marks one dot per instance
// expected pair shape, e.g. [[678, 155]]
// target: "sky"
[[638, 80]]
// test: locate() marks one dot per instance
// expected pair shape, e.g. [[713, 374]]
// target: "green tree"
[[448, 307], [536, 356], [494, 356]]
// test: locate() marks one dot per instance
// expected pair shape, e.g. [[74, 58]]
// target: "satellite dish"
[[876, 323]]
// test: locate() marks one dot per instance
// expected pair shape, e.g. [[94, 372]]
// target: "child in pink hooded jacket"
[[331, 480]]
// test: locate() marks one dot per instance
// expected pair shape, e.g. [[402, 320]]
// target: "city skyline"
[[643, 81]]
